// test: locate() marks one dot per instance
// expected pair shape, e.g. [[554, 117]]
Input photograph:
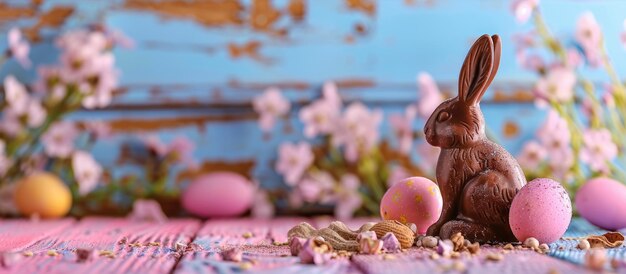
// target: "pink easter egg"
[[541, 209], [413, 200], [219, 194], [602, 202]]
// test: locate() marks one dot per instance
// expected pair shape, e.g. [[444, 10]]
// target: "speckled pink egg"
[[219, 194], [602, 202], [413, 200], [541, 209]]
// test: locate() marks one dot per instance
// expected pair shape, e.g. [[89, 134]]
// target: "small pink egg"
[[413, 200], [219, 194], [602, 202], [541, 209]]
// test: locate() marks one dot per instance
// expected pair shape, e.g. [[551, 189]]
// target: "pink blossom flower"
[[402, 126], [598, 149], [349, 199], [532, 62], [10, 123], [87, 63], [331, 94], [18, 47], [358, 130], [262, 207], [557, 86], [153, 143], [36, 114], [270, 105], [309, 189], [531, 156], [523, 9], [589, 36], [293, 161], [561, 160], [397, 174], [554, 134], [58, 141], [16, 95], [429, 156], [86, 170], [574, 58], [317, 187], [320, 117], [183, 148], [147, 210], [430, 97]]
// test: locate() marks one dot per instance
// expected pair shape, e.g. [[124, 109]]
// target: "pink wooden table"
[[143, 247]]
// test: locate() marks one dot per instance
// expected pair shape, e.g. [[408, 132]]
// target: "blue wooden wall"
[[183, 77]]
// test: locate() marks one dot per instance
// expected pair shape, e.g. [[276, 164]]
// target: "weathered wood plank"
[[255, 238], [18, 234], [134, 247], [418, 260]]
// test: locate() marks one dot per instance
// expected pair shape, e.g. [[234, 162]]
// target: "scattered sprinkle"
[[52, 252], [531, 242], [245, 265], [388, 257], [84, 254], [583, 244], [154, 244], [474, 248], [434, 256], [508, 247], [28, 254], [180, 247], [429, 242], [232, 255], [123, 241], [544, 248], [494, 257], [247, 235]]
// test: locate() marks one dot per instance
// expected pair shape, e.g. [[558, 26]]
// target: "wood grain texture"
[[153, 252], [19, 234], [255, 238]]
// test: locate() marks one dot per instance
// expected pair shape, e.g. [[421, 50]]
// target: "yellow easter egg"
[[43, 194]]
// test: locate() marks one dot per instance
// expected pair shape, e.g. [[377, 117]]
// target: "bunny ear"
[[497, 51], [476, 71]]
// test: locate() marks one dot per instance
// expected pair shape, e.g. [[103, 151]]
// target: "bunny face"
[[454, 125], [458, 122]]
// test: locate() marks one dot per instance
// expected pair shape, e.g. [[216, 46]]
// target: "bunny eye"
[[443, 116]]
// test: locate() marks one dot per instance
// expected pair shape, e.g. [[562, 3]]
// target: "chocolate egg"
[[541, 209], [42, 194], [219, 194], [413, 200], [602, 202]]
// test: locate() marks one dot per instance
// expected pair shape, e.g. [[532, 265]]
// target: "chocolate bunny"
[[478, 179]]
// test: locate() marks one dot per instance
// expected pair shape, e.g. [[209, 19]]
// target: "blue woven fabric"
[[566, 248]]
